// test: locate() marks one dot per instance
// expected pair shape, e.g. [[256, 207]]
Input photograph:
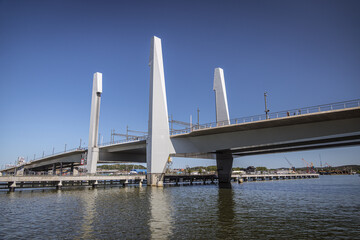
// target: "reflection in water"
[[299, 209], [226, 215], [160, 214], [225, 185], [89, 209]]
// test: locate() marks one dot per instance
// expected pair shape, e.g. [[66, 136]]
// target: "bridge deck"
[[211, 129], [305, 131]]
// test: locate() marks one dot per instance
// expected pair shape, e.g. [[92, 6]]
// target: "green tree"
[[262, 169], [211, 168]]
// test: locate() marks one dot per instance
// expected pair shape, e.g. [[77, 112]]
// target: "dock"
[[269, 177], [58, 182], [43, 181], [212, 178], [190, 178]]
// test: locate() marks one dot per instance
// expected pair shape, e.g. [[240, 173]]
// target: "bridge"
[[323, 126]]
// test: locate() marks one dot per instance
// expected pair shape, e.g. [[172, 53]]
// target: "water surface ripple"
[[324, 208]]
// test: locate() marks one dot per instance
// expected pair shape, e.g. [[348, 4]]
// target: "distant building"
[[238, 172], [284, 171]]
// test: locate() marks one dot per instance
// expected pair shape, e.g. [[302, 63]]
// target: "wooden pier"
[[268, 177], [13, 182], [189, 178], [47, 181], [212, 178]]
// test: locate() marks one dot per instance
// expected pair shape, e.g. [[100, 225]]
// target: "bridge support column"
[[94, 184], [61, 169], [126, 182], [12, 186], [224, 162], [155, 179], [93, 150], [59, 185], [75, 172], [158, 145], [72, 170]]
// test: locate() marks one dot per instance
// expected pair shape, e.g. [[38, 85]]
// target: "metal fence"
[[275, 115], [140, 138]]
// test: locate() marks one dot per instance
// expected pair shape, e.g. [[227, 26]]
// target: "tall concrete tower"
[[222, 110], [93, 148], [159, 144]]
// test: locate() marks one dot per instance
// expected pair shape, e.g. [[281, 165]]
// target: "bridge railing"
[[275, 115], [45, 156], [140, 138], [57, 153]]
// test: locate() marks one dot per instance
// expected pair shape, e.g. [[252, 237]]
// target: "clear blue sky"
[[303, 53]]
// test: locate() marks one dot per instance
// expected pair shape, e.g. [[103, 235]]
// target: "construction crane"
[[307, 165], [328, 165], [292, 169], [312, 168]]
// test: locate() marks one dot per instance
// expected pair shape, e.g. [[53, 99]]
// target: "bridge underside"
[[137, 155], [335, 141], [124, 152], [54, 166]]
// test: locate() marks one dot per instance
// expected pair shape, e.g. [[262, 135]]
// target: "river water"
[[324, 208]]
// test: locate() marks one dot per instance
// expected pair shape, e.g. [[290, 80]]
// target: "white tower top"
[[222, 111]]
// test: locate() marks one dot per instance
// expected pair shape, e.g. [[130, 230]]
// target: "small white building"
[[284, 171]]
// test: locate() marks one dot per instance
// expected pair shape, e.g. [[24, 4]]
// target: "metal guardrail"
[[140, 138], [275, 115], [57, 153], [256, 118]]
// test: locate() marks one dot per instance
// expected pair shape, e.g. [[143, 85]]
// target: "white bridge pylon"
[[222, 110], [158, 146], [93, 148]]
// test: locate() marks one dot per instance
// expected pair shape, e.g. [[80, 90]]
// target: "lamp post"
[[266, 110]]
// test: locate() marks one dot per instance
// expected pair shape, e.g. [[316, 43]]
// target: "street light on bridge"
[[266, 110]]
